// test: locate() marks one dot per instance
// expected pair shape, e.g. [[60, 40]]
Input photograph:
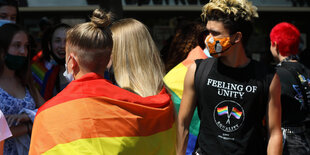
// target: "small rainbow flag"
[[174, 81], [236, 113], [93, 116], [222, 111]]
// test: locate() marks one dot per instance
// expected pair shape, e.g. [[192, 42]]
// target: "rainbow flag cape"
[[93, 116], [174, 81]]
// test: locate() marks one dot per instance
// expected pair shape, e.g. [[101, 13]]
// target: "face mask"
[[3, 21], [214, 47], [66, 74], [15, 62]]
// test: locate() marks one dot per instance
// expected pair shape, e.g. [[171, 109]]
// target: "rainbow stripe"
[[222, 111], [44, 79], [236, 113], [174, 80], [93, 116]]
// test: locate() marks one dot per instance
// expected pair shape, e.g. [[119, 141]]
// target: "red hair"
[[287, 37]]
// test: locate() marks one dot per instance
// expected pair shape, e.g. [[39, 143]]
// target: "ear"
[[74, 62], [275, 45], [238, 38]]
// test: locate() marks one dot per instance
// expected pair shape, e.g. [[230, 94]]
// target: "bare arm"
[[274, 118], [186, 111]]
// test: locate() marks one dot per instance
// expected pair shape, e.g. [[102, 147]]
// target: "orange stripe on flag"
[[97, 117]]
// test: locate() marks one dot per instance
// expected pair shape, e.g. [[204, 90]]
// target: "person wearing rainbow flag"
[[231, 92], [93, 116]]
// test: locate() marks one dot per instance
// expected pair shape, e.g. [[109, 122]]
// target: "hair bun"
[[100, 18]]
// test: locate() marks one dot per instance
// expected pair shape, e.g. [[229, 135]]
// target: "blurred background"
[[162, 16]]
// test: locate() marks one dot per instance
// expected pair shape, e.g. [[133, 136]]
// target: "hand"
[[16, 119]]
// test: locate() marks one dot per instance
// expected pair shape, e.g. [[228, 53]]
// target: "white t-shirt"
[[4, 128]]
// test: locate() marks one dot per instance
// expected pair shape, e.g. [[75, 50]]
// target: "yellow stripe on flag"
[[157, 144], [175, 79]]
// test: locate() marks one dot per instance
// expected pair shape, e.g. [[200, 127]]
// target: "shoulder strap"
[[203, 68]]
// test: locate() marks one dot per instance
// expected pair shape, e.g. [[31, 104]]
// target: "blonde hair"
[[239, 9], [236, 15], [92, 41], [135, 58]]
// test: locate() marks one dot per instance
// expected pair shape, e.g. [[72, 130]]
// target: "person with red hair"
[[285, 38]]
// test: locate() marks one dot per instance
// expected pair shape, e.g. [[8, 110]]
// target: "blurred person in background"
[[18, 96], [8, 12], [48, 66], [187, 37]]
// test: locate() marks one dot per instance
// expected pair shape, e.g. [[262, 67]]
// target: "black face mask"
[[15, 62]]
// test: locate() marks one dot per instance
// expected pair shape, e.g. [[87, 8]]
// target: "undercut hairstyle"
[[92, 42], [236, 15], [287, 37], [135, 58]]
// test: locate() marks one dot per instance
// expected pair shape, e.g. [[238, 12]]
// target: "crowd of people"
[[206, 97]]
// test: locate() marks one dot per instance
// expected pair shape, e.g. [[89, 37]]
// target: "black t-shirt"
[[231, 106], [294, 112]]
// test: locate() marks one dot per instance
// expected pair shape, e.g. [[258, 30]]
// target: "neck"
[[281, 58], [83, 72], [7, 73], [236, 57]]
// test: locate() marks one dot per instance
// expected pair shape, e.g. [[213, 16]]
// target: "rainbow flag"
[[222, 111], [236, 113], [93, 116], [174, 81], [44, 78]]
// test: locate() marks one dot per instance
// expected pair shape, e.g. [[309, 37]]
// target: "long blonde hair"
[[135, 58]]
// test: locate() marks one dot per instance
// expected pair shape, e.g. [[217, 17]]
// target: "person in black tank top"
[[232, 92], [285, 39]]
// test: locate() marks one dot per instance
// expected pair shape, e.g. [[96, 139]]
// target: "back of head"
[[186, 38], [47, 40], [136, 60], [236, 15], [287, 38], [92, 42]]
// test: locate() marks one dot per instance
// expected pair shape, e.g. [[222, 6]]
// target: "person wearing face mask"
[[8, 12], [18, 96], [232, 93], [48, 65], [93, 116]]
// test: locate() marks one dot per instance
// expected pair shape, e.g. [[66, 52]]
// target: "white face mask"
[[4, 21], [66, 74]]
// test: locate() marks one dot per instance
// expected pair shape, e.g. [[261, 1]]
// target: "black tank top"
[[231, 106]]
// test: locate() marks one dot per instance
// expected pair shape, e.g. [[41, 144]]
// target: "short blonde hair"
[[135, 58], [92, 41], [239, 9]]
